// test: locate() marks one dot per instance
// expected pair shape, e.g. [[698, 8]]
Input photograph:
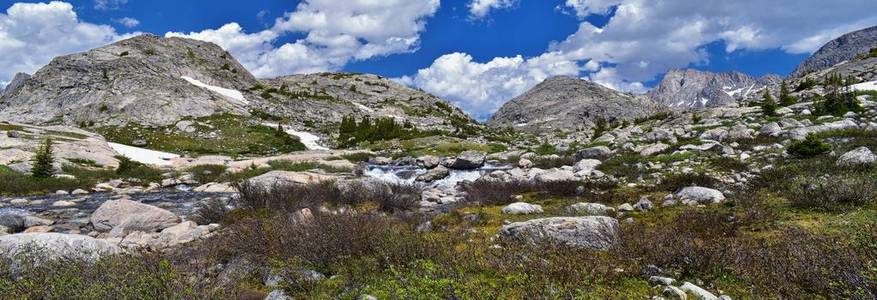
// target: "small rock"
[[697, 291], [643, 204], [701, 195], [79, 192], [626, 207], [522, 208], [591, 209], [525, 163], [659, 280], [62, 192], [38, 229], [672, 292], [278, 295], [63, 203]]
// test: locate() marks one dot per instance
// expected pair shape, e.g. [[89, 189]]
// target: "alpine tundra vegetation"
[[653, 150]]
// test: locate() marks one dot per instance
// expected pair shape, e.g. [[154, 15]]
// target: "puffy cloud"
[[31, 34], [128, 22], [480, 8], [481, 88], [335, 34], [644, 39]]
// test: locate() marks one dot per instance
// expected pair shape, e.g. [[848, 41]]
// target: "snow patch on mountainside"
[[310, 140], [145, 156], [233, 94], [865, 86]]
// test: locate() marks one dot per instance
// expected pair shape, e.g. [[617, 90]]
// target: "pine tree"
[[43, 161], [786, 98], [768, 105]]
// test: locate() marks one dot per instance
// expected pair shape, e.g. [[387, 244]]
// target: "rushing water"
[[408, 174]]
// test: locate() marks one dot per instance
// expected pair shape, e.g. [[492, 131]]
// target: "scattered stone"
[[63, 203], [591, 209], [469, 160], [593, 232], [771, 129], [643, 204], [278, 295], [674, 293], [38, 229], [434, 174], [525, 163], [659, 280], [626, 207], [593, 152], [555, 175], [698, 292], [857, 157], [522, 208], [701, 195], [653, 149], [19, 202], [586, 167], [79, 192]]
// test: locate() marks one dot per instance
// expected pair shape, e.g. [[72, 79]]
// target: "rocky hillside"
[[846, 47], [324, 98], [568, 103], [692, 89], [146, 79]]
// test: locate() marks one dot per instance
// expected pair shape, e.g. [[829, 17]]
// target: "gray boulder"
[[653, 149], [701, 195], [697, 291], [593, 152], [123, 216], [12, 221], [469, 160], [57, 245], [590, 209], [586, 166], [771, 129], [521, 208], [857, 157], [434, 174], [592, 232]]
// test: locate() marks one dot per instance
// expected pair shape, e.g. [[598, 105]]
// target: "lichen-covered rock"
[[592, 232], [701, 195], [521, 208], [857, 157], [124, 216]]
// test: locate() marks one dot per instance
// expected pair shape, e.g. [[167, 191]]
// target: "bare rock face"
[[325, 98], [17, 81], [138, 80], [19, 143], [846, 47], [692, 89], [568, 103]]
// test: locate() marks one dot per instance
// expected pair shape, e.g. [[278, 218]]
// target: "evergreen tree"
[[768, 105], [786, 98], [43, 161]]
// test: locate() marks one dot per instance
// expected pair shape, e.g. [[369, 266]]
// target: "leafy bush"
[[809, 147]]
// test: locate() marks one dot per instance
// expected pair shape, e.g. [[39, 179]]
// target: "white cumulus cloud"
[[642, 40], [335, 33], [31, 34], [481, 8], [481, 88]]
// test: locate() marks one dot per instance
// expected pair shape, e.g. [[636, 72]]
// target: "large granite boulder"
[[592, 232]]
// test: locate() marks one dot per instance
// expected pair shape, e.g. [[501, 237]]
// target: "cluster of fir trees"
[[351, 132]]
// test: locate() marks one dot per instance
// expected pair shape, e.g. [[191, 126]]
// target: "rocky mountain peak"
[[686, 89], [569, 103], [146, 79], [843, 48]]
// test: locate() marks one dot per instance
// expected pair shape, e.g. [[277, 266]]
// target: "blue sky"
[[476, 53]]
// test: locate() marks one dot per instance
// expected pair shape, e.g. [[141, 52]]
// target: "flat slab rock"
[[591, 232], [57, 245]]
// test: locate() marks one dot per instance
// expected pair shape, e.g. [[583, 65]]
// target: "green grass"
[[10, 127], [235, 137]]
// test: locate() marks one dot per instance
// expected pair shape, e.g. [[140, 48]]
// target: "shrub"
[[210, 211], [809, 147], [208, 173], [291, 198], [806, 85], [833, 193], [550, 162], [674, 182], [487, 192], [43, 161], [786, 98]]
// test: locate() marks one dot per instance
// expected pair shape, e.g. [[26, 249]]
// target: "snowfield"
[[233, 94], [145, 156], [308, 139], [865, 86]]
